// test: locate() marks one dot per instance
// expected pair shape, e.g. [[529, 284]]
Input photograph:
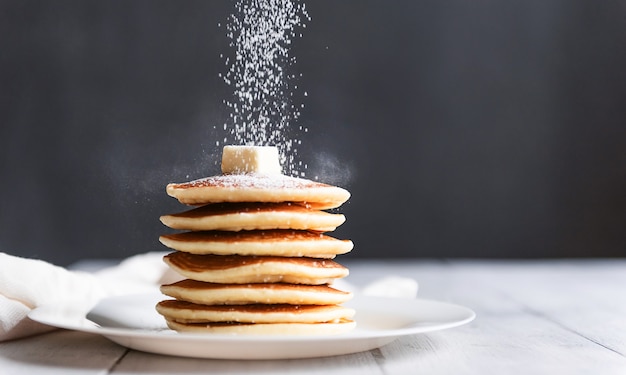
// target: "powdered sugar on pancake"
[[252, 181], [258, 188]]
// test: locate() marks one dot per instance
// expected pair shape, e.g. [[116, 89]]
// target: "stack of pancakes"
[[255, 257]]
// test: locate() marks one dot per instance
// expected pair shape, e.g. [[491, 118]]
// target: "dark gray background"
[[462, 128]]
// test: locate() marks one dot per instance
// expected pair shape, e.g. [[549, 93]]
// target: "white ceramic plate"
[[132, 321]]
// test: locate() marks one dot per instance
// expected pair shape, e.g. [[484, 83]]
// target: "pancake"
[[258, 188], [242, 294], [250, 216], [263, 329], [186, 312], [237, 269], [287, 243]]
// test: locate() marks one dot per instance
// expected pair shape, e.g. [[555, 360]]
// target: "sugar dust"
[[264, 107]]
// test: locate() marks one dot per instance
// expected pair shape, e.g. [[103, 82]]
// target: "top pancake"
[[258, 188]]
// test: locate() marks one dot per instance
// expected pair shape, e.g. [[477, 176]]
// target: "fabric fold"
[[28, 283]]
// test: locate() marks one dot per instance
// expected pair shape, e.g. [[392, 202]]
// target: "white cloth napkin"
[[28, 283]]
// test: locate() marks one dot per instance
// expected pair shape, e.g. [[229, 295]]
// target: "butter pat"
[[250, 159]]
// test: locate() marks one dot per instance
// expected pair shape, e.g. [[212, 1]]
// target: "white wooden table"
[[533, 317]]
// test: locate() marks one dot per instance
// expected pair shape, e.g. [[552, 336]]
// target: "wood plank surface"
[[59, 352], [533, 317]]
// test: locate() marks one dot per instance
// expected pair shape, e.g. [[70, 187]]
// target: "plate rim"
[[133, 337], [36, 315]]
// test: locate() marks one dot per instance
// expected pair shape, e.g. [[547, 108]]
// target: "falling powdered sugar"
[[262, 107]]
